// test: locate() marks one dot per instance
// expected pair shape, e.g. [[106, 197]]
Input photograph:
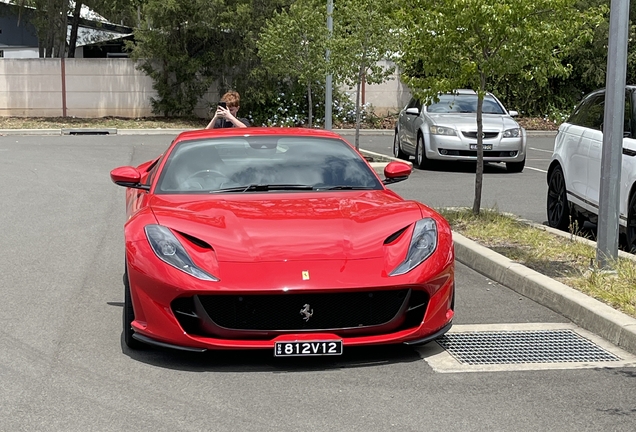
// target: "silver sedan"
[[447, 130]]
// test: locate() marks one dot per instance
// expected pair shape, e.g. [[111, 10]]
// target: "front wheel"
[[557, 205], [397, 148], [630, 232], [515, 167], [421, 161]]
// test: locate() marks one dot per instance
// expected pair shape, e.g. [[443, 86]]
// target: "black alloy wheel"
[[397, 148], [421, 161], [557, 205], [129, 317], [630, 232]]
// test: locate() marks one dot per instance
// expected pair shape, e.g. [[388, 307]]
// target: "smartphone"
[[222, 104]]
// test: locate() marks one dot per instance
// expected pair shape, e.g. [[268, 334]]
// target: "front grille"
[[473, 134], [282, 312]]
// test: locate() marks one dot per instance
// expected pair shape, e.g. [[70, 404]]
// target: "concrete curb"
[[590, 314]]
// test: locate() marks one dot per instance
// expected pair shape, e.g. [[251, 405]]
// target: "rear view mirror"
[[413, 111], [396, 172], [513, 113], [127, 176]]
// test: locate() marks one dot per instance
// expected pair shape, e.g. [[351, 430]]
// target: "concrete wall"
[[113, 87]]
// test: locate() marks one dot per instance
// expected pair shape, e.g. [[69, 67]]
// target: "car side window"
[[414, 103], [590, 113]]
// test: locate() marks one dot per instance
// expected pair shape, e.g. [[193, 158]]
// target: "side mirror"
[[412, 111], [396, 172], [513, 113], [127, 176]]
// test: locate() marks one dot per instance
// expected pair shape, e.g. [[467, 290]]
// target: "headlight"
[[423, 244], [512, 133], [442, 130], [169, 250]]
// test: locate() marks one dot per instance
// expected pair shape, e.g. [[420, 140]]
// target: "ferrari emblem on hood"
[[305, 275]]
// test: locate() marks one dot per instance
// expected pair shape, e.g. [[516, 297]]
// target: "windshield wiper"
[[343, 187], [264, 188]]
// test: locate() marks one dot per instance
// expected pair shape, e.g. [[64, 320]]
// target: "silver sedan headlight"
[[168, 249], [442, 130], [512, 133], [423, 244]]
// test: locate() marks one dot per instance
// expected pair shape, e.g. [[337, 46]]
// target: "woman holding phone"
[[225, 115]]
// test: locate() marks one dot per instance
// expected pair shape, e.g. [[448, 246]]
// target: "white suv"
[[575, 170]]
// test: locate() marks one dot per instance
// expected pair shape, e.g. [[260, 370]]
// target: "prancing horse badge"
[[305, 274]]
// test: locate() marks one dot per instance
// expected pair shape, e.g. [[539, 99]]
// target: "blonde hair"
[[231, 98]]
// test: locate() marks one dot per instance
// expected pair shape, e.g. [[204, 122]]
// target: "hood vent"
[[393, 237], [195, 241]]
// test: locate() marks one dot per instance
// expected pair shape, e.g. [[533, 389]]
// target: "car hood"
[[468, 121], [288, 227]]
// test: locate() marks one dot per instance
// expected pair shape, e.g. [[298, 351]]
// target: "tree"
[[185, 45], [364, 34], [451, 44], [292, 45]]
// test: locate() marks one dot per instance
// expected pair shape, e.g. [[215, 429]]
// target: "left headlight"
[[168, 249], [423, 244], [512, 133]]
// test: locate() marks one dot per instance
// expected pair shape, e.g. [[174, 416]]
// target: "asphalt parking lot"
[[63, 365]]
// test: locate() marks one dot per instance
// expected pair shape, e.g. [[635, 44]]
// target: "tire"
[[515, 167], [129, 317], [630, 230], [558, 207], [421, 161], [397, 148]]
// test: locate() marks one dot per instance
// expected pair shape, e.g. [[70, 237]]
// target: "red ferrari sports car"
[[280, 239]]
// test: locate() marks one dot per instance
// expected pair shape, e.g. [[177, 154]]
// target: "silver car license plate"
[[486, 146], [308, 348]]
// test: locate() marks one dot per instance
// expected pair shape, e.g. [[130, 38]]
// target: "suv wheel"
[[397, 148], [630, 232], [558, 206]]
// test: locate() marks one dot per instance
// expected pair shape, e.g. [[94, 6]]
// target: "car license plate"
[[308, 348], [486, 146]]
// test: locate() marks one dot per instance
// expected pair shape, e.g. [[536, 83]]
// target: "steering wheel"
[[207, 180], [206, 173]]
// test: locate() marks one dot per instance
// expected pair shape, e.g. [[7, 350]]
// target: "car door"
[[574, 138], [595, 137]]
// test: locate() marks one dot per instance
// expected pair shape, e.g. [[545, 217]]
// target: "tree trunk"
[[74, 27], [358, 86], [310, 112], [479, 176]]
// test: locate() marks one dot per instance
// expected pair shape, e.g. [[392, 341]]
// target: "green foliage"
[[185, 45], [292, 46], [457, 43]]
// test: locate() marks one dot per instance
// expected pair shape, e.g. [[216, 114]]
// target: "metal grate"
[[514, 347]]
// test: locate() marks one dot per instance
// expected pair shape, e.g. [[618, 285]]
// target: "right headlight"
[[168, 249], [423, 244], [512, 133], [442, 130]]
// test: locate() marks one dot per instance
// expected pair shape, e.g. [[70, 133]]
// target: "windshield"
[[264, 163], [463, 103]]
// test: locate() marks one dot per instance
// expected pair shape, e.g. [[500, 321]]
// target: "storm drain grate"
[[514, 347]]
